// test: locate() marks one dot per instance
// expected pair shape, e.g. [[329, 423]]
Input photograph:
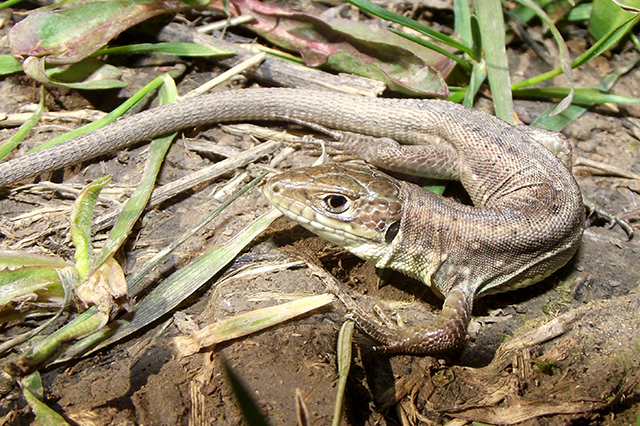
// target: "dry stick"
[[18, 119], [220, 25], [208, 173], [245, 65], [607, 168], [276, 71], [213, 171]]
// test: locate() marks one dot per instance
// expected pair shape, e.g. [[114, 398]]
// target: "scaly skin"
[[526, 221]]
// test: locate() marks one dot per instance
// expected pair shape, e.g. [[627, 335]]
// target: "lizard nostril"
[[275, 187]]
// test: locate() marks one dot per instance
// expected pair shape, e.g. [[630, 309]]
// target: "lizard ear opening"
[[392, 231]]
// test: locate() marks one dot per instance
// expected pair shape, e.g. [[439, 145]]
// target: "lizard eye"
[[336, 203]]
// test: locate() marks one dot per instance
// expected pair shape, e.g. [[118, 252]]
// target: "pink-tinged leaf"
[[69, 35], [343, 45]]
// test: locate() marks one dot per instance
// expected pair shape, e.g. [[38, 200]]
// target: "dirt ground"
[[565, 351]]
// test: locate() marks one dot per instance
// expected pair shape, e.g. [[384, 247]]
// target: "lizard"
[[526, 220]]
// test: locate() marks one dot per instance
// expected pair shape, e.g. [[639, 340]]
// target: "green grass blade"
[[181, 284], [559, 121], [44, 414], [583, 95], [26, 127], [137, 276], [345, 339], [383, 13], [109, 118], [491, 20], [462, 21], [606, 42], [580, 13], [476, 36], [478, 76], [594, 51], [80, 225], [9, 65], [18, 283], [433, 47], [9, 3], [135, 205], [457, 93], [83, 325], [565, 61], [251, 322], [173, 288], [68, 280]]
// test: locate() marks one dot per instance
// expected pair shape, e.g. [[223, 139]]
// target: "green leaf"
[[109, 118], [364, 49], [178, 49], [33, 383], [183, 283], [44, 414], [9, 65], [491, 20], [12, 260], [81, 220], [607, 41], [69, 35], [597, 49], [606, 15], [135, 205], [23, 281], [383, 13], [565, 61], [35, 68], [580, 13]]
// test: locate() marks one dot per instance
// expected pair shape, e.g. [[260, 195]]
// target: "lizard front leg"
[[447, 333]]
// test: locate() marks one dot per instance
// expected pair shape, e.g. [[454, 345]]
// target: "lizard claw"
[[444, 335], [597, 212]]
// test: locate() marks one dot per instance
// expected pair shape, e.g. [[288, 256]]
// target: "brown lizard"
[[526, 222]]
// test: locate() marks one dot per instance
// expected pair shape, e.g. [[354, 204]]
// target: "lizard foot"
[[597, 212], [444, 335]]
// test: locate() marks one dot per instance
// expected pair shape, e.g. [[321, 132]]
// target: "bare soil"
[[565, 351]]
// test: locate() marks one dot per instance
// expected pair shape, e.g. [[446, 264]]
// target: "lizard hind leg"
[[444, 335]]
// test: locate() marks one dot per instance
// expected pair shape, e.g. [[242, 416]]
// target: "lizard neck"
[[428, 232]]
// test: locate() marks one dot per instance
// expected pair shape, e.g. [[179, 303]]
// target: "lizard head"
[[351, 205]]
